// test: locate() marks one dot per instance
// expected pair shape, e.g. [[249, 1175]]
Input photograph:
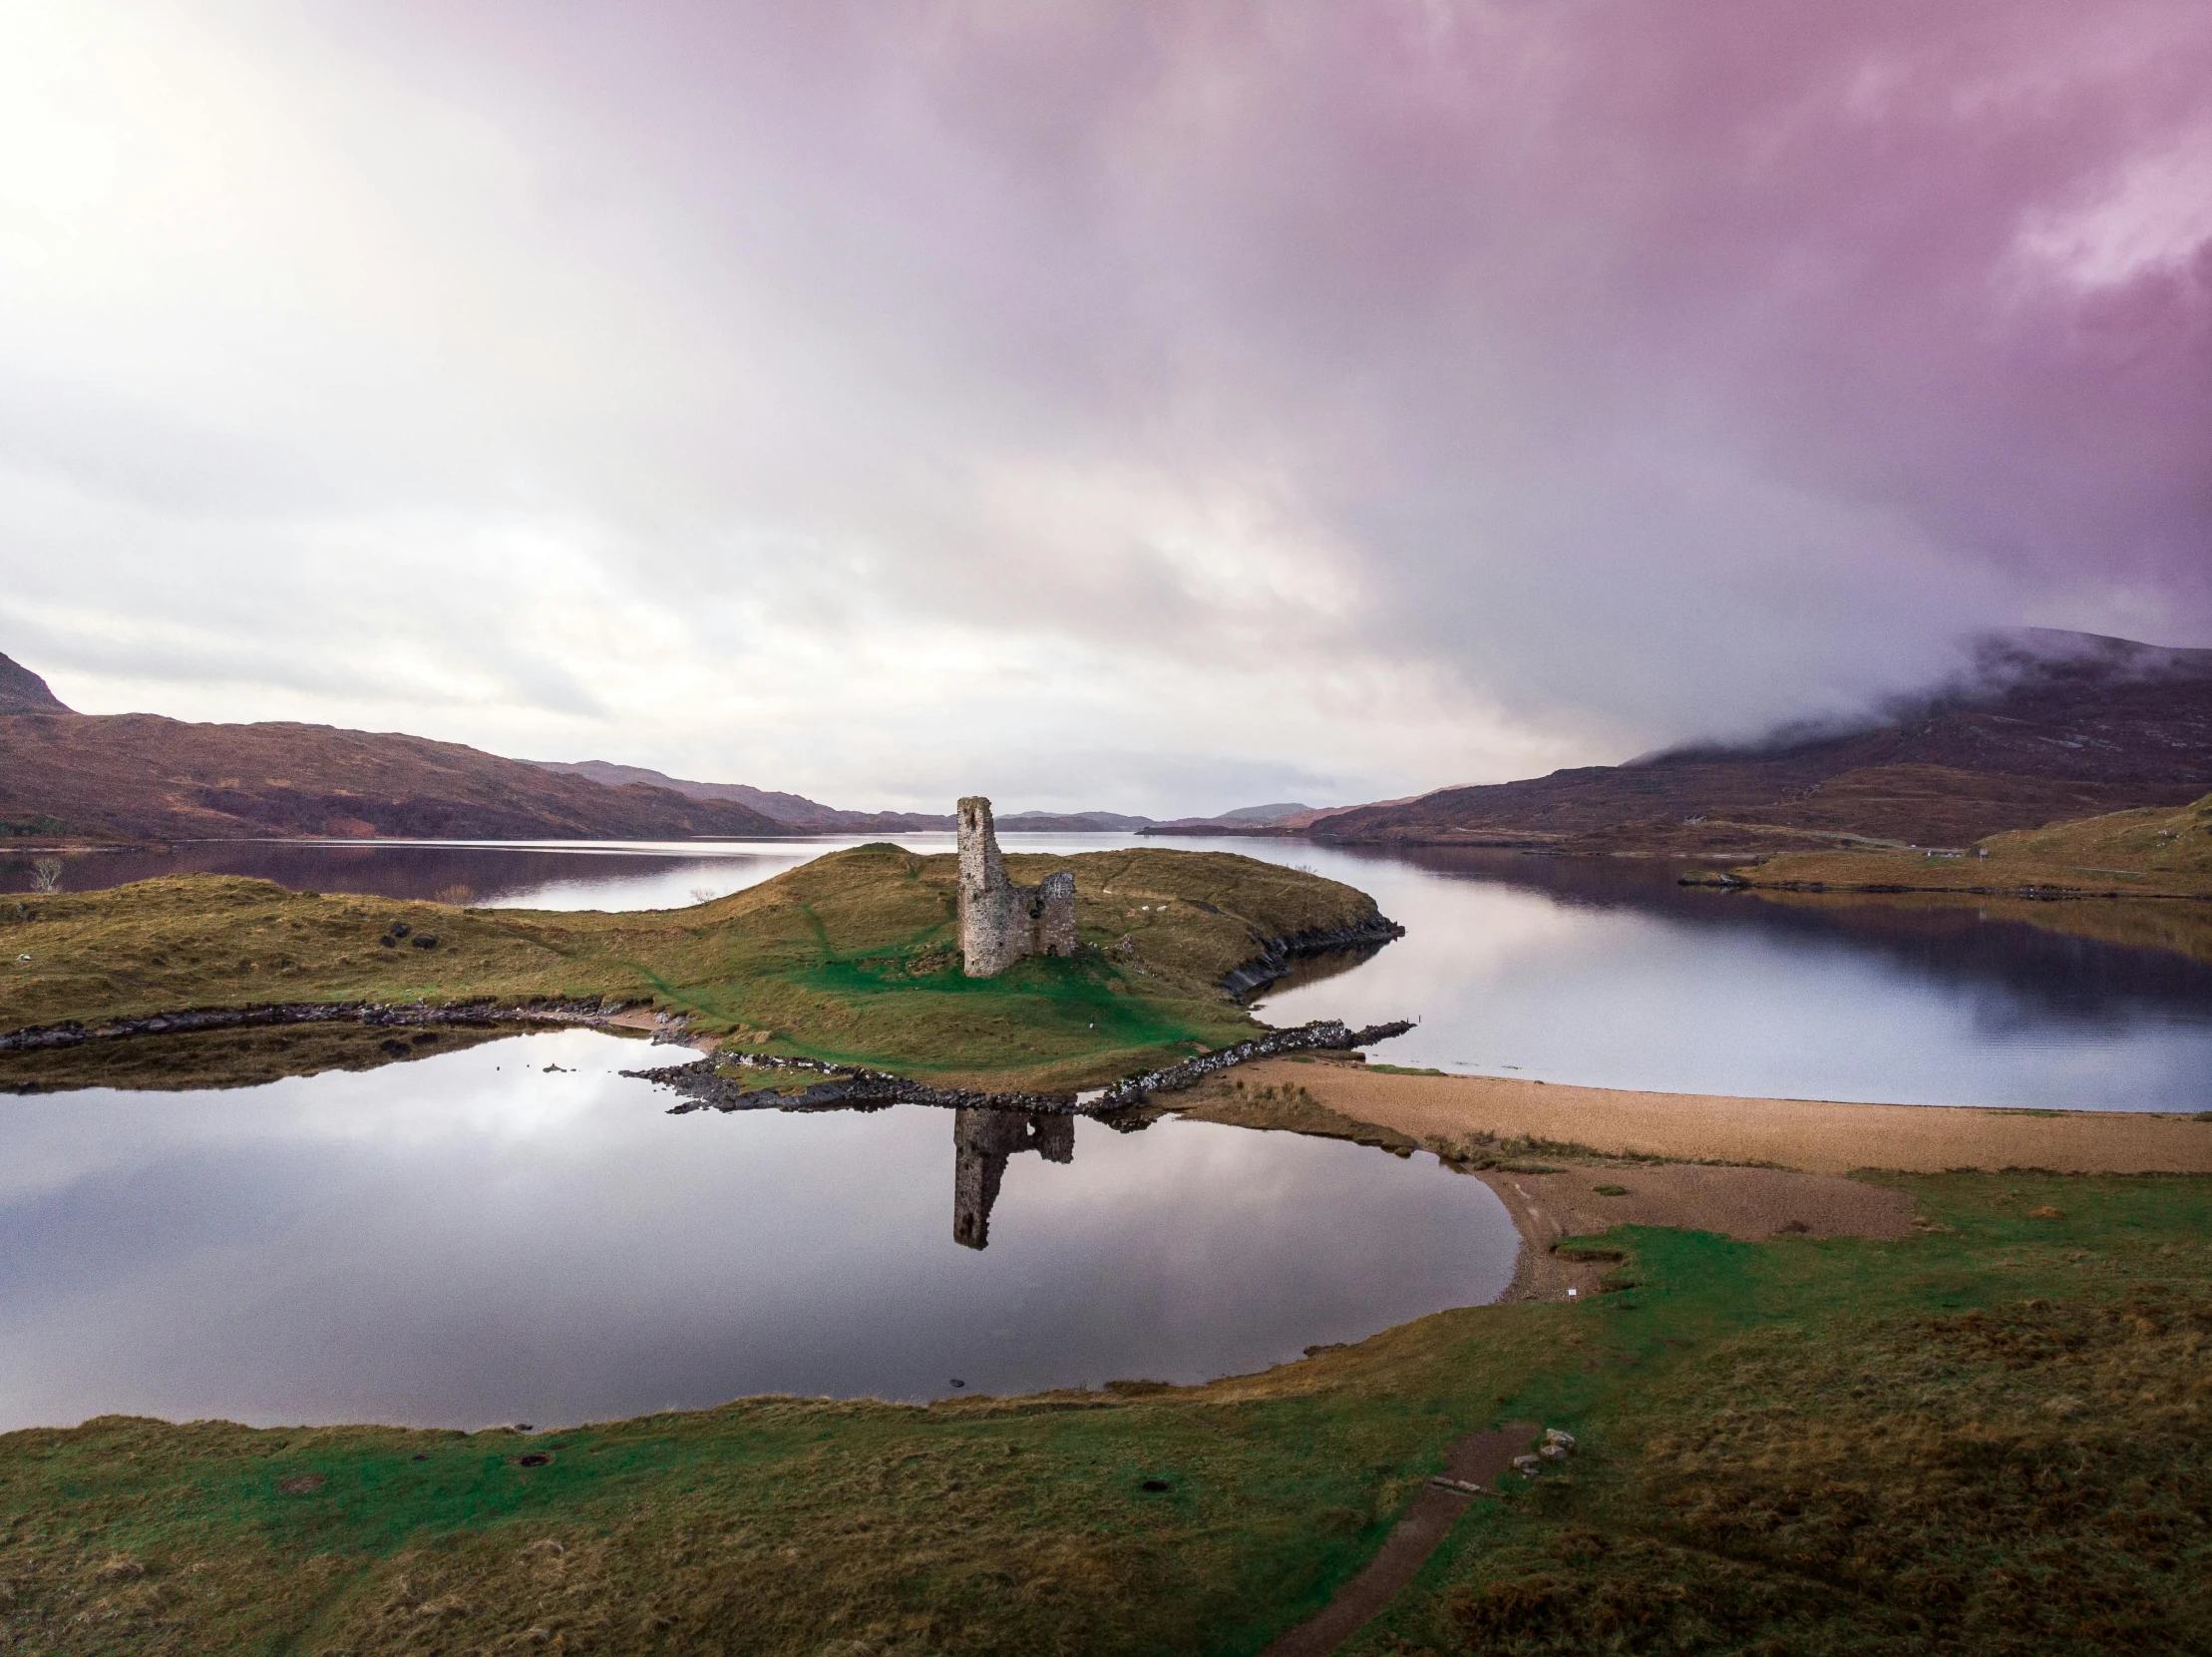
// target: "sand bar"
[[1819, 1137]]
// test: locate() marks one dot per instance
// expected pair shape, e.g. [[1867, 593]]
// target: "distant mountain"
[[23, 691], [1071, 822], [139, 776], [802, 813], [2049, 725], [794, 809], [1243, 820]]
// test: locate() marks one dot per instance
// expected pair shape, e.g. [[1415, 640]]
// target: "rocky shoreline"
[[705, 1086], [1278, 956]]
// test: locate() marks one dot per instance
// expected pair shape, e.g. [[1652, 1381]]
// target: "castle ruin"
[[999, 920]]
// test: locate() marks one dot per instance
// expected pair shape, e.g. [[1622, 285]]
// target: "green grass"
[[1989, 1437], [848, 957]]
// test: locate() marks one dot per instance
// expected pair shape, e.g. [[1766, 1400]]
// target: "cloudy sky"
[[1168, 406]]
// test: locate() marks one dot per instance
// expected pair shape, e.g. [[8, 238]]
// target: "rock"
[[1565, 1440], [1526, 1465], [1552, 1453]]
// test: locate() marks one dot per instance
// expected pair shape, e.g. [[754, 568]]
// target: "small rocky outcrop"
[[1278, 956]]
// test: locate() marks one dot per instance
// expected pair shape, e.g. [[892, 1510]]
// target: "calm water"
[[472, 1238], [1595, 972]]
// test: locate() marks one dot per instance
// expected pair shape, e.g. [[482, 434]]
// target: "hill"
[[850, 958], [131, 776], [2051, 725], [794, 809], [2149, 851], [1243, 820], [23, 691], [814, 817]]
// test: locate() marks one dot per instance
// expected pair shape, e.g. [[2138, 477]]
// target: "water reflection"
[[518, 1232], [225, 1059], [982, 1142], [1607, 973]]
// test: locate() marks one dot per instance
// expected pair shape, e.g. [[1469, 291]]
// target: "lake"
[[1602, 972], [515, 1232]]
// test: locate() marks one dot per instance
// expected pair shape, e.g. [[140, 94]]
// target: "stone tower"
[[1000, 922]]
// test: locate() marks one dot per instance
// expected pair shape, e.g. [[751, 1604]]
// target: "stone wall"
[[999, 920]]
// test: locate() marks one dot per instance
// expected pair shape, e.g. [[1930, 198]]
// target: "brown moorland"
[[2152, 851], [2055, 725], [138, 776]]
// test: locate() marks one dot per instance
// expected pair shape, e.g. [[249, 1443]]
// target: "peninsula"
[[854, 959]]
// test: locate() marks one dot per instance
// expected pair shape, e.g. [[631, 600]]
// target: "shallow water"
[[1599, 972], [472, 1238]]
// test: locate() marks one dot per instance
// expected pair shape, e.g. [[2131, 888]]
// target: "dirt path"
[[1810, 1135], [1479, 1459]]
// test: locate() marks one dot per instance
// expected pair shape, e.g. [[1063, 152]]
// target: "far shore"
[[1816, 1136]]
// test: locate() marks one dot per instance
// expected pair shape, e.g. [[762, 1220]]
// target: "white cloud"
[[1136, 407]]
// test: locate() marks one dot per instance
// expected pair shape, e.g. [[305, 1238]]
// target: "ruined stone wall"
[[999, 920]]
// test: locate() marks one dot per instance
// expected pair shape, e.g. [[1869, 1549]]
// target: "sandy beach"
[[1811, 1135]]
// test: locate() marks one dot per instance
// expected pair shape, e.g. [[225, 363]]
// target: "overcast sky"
[[1168, 407]]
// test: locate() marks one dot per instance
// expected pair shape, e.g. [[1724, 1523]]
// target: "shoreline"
[[1450, 1113]]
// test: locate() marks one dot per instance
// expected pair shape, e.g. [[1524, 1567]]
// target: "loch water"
[[518, 1232], [1602, 972], [513, 1230]]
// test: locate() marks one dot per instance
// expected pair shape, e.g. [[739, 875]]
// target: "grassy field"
[[1990, 1437], [2159, 851], [851, 957]]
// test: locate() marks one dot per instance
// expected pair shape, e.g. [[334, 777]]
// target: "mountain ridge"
[[23, 691], [139, 776], [2048, 725], [802, 813]]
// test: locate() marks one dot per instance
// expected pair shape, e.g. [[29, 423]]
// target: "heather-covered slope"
[[23, 691], [136, 775], [812, 817], [2055, 726], [2151, 852]]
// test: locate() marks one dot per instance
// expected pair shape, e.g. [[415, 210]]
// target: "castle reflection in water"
[[982, 1142]]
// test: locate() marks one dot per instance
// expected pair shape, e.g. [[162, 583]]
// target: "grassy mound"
[[1990, 1437], [851, 957]]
